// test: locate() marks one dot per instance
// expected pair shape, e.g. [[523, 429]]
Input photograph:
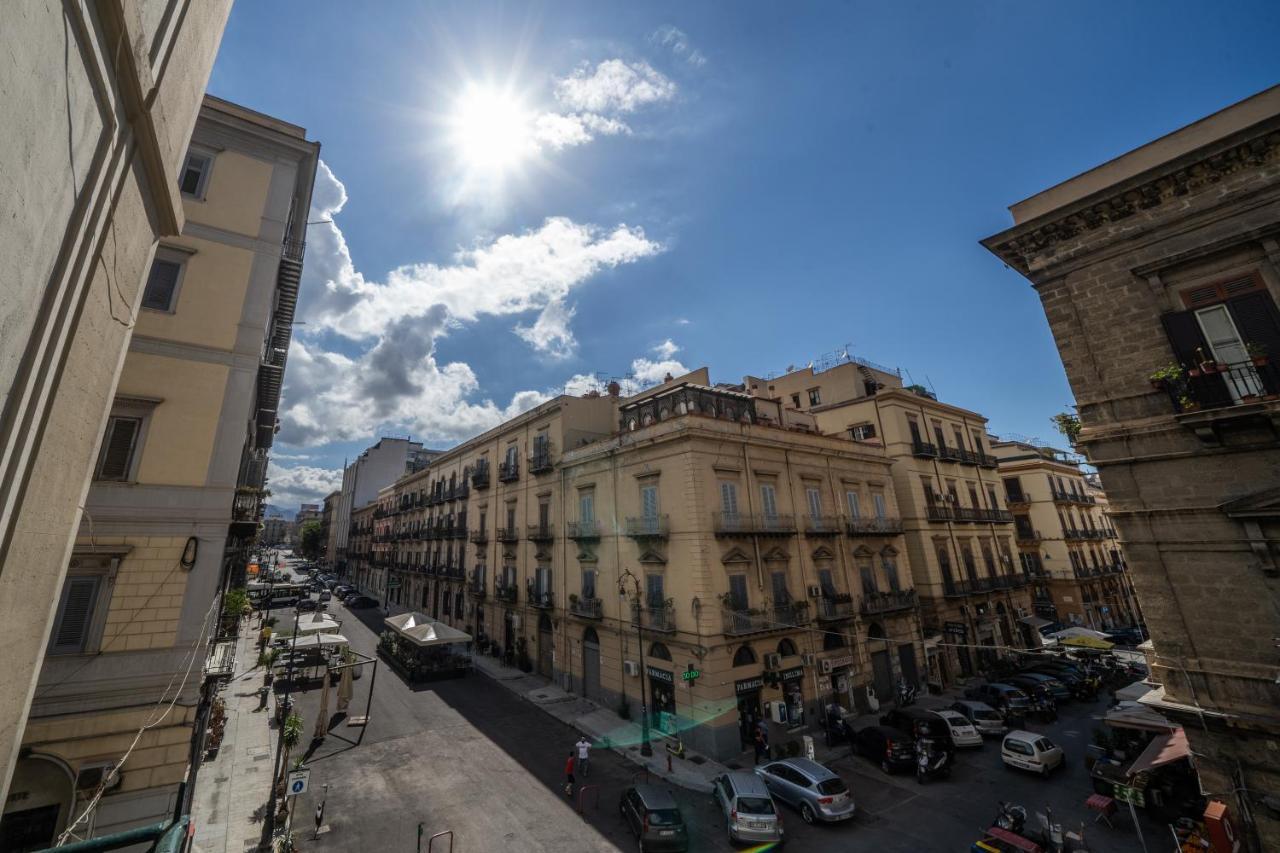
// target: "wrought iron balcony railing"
[[753, 524], [821, 525], [582, 530], [660, 618], [835, 608], [924, 450], [648, 527], [873, 526], [509, 593], [507, 534], [751, 621], [887, 601], [587, 608], [509, 471], [541, 533]]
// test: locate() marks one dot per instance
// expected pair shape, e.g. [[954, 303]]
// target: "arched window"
[[659, 651], [875, 631], [744, 656], [832, 641], [786, 648], [590, 636], [970, 568]]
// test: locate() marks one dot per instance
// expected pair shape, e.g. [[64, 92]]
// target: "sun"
[[491, 130]]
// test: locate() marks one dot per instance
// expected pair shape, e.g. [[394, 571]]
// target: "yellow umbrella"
[[1087, 642]]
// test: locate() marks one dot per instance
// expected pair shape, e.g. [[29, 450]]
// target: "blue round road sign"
[[298, 785]]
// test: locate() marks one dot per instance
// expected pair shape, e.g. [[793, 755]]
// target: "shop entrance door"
[[907, 663], [748, 716], [544, 647], [882, 675], [591, 664]]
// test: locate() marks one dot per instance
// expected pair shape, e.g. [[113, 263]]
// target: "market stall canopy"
[[1134, 692], [1077, 631], [423, 631], [318, 623], [1164, 749], [314, 641], [1131, 715], [1035, 622], [1087, 643]]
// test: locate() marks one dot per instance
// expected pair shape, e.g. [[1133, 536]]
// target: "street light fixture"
[[645, 748]]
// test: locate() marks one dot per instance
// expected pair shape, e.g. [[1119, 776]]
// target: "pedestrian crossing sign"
[[298, 781]]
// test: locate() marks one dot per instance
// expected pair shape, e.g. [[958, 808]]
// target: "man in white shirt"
[[584, 755]]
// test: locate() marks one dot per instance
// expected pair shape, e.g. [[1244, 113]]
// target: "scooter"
[[1011, 817], [931, 762], [1045, 708], [906, 694]]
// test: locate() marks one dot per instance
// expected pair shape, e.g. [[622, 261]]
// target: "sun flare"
[[492, 130]]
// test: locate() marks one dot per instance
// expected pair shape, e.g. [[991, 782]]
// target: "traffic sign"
[[298, 781]]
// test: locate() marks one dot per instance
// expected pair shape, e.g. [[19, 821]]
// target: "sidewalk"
[[606, 729], [233, 789]]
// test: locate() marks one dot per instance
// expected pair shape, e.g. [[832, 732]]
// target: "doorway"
[[907, 663], [545, 647], [882, 674], [748, 716], [591, 664]]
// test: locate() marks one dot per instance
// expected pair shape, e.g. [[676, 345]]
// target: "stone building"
[[1065, 539], [1159, 272], [375, 468], [98, 104], [975, 600], [615, 544], [176, 496], [329, 528]]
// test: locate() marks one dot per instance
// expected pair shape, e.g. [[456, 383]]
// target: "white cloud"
[[300, 484], [556, 131], [551, 333], [677, 42], [683, 321], [644, 372], [614, 86], [666, 349]]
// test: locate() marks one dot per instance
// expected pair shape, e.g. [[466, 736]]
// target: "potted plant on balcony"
[[1166, 376], [1186, 404], [1257, 354], [1068, 424]]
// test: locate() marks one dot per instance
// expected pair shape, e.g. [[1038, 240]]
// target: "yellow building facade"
[[177, 490]]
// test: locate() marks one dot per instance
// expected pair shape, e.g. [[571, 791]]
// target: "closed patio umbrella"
[[322, 719], [344, 683]]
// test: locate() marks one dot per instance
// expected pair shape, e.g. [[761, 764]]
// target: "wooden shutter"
[[729, 498], [852, 499], [815, 502], [1258, 322], [1209, 294], [117, 448], [78, 598], [649, 501], [1189, 348], [160, 285], [768, 501]]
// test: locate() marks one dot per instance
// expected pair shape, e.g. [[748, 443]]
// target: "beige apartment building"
[[177, 492], [975, 599], [1066, 542], [98, 103], [615, 544], [1159, 272]]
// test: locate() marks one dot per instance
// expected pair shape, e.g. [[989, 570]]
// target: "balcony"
[[997, 516], [480, 477], [543, 599], [509, 472], [1219, 393], [967, 586], [967, 513], [453, 572], [951, 454], [924, 450], [873, 526], [750, 621], [508, 534], [476, 586], [648, 527], [480, 537], [821, 525], [540, 462], [835, 608], [586, 608], [582, 531], [1067, 497], [937, 512], [753, 524], [507, 593], [661, 618], [876, 602], [246, 507], [541, 533], [986, 460], [1019, 498], [1027, 537]]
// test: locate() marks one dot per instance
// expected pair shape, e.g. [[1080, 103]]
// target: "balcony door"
[[1227, 347]]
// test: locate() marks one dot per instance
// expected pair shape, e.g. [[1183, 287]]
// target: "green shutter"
[[76, 612]]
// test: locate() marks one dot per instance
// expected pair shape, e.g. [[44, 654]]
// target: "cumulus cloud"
[[556, 131], [677, 42], [666, 349], [644, 373], [300, 483], [614, 86]]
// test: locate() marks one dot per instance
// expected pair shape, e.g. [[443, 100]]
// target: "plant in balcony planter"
[[1068, 424], [1207, 363], [1257, 353], [1166, 376], [573, 599], [1186, 404]]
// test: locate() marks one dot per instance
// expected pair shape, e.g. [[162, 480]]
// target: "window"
[[511, 517], [738, 592], [973, 497], [655, 598], [959, 434], [867, 574], [542, 582], [827, 582], [795, 400], [195, 174], [588, 584], [988, 560], [891, 571], [116, 458], [778, 582], [814, 498], [877, 501], [744, 656], [649, 501], [815, 397], [587, 507], [851, 499], [729, 499], [161, 291], [768, 500], [863, 432], [786, 648], [939, 436], [75, 615], [914, 426], [544, 515]]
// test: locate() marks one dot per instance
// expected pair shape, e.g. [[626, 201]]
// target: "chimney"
[[614, 389], [667, 378]]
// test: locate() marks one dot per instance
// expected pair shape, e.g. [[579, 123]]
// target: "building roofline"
[[213, 102]]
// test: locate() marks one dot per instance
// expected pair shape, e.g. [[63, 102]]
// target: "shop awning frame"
[[1164, 749]]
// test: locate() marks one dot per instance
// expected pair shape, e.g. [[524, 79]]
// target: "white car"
[[1030, 751], [962, 731]]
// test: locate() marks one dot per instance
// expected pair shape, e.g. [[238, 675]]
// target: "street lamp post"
[[645, 748]]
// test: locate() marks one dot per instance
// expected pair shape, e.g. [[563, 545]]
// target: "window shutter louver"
[[160, 285], [1189, 348], [768, 501], [77, 609], [1258, 322], [728, 499], [117, 451]]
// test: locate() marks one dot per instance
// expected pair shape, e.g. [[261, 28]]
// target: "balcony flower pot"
[[1259, 360], [1194, 372]]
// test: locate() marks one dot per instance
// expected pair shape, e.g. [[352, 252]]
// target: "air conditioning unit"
[[773, 661], [809, 659], [815, 591], [631, 668]]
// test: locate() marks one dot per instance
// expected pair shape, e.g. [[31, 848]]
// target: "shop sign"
[[955, 628], [660, 675], [835, 663], [824, 683], [1125, 794], [748, 685], [690, 674], [796, 672]]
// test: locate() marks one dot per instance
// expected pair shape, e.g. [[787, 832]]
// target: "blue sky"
[[523, 196]]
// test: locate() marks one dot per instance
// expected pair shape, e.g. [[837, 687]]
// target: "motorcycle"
[[931, 762], [1011, 817], [1045, 708], [906, 694]]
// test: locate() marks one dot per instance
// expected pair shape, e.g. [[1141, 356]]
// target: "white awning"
[[312, 641], [318, 623], [1035, 622], [1077, 631], [422, 630], [1131, 715]]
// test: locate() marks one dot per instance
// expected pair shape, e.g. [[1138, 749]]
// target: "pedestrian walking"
[[584, 755], [762, 748], [568, 776]]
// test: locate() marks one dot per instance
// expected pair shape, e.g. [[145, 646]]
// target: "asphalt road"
[[469, 756]]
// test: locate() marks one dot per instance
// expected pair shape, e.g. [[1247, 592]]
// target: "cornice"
[[1251, 149]]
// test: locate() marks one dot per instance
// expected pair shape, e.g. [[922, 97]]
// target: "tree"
[[1068, 424], [310, 542]]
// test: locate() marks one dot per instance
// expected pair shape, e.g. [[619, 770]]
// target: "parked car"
[[985, 719], [1029, 680], [326, 596], [342, 589], [819, 794], [962, 732], [1030, 751], [1131, 636], [359, 602], [886, 746], [913, 721], [1003, 697], [748, 809], [1081, 686], [654, 819], [307, 604]]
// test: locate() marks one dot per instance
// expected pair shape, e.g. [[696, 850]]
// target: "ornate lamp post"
[[645, 748]]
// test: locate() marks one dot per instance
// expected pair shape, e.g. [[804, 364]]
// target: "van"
[[1030, 751], [654, 818], [748, 809]]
